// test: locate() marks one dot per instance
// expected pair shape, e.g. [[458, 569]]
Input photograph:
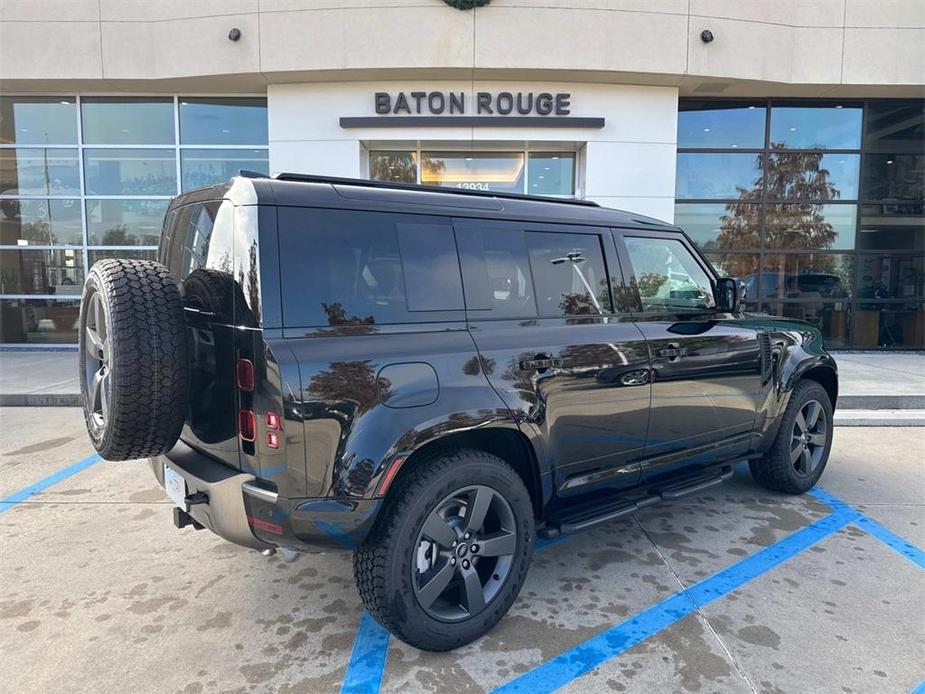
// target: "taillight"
[[273, 421], [273, 439], [246, 378], [247, 425]]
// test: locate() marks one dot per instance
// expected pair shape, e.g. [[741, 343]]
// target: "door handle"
[[540, 363], [672, 352]]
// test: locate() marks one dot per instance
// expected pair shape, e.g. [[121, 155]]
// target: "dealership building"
[[787, 137]]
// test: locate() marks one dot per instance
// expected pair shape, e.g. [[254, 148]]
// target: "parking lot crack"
[[698, 610]]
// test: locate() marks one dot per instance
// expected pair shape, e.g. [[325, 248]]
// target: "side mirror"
[[730, 294]]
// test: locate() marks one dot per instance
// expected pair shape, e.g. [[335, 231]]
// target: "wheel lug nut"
[[453, 561], [467, 535], [465, 563], [454, 543], [474, 549]]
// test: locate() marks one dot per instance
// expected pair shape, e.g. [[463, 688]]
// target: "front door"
[[539, 308], [706, 366]]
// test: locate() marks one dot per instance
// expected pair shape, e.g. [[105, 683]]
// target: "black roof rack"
[[392, 185]]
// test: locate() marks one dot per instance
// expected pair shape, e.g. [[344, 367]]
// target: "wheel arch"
[[825, 376], [508, 444]]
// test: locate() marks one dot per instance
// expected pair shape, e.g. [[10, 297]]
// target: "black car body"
[[340, 329]]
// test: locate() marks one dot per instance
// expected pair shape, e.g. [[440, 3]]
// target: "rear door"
[[540, 309], [706, 366]]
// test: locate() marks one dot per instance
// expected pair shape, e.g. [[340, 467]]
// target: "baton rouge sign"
[[459, 109], [486, 103]]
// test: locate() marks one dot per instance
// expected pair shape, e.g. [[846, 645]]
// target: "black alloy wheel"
[[464, 553], [809, 437]]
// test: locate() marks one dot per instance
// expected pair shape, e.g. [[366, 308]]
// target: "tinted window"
[[223, 121], [717, 175], [720, 124], [134, 121], [496, 271], [365, 268], [568, 274], [194, 242], [47, 120], [667, 275], [814, 127]]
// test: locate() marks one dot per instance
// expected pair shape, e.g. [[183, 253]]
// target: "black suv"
[[434, 379]]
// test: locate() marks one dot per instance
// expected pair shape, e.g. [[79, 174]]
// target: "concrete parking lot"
[[737, 590]]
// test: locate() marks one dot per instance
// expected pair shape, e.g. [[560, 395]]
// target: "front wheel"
[[450, 552], [800, 451]]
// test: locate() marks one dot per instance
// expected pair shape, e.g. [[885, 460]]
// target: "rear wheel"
[[133, 359], [450, 552], [800, 452]]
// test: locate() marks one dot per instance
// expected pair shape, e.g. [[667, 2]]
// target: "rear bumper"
[[239, 509]]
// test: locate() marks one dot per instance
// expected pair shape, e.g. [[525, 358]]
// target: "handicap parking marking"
[[23, 494], [367, 660], [586, 656], [873, 528]]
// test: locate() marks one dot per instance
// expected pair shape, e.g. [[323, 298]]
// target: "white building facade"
[[787, 137]]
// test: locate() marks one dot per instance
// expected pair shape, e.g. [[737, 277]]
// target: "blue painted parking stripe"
[[919, 689], [18, 497], [873, 528], [367, 661], [592, 653]]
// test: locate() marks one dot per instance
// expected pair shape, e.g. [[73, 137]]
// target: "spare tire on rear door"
[[133, 359]]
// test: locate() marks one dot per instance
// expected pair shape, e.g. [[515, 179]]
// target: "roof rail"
[[392, 185]]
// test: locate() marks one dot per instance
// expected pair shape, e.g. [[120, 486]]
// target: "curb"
[[40, 400], [881, 402]]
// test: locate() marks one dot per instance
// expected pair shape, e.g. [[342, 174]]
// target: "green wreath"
[[466, 4]]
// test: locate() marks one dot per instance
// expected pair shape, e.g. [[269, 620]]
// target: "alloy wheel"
[[464, 553], [807, 444], [97, 361]]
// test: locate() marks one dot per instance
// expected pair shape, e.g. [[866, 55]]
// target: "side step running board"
[[587, 516], [697, 484]]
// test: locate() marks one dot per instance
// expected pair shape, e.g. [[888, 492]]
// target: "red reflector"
[[246, 375], [265, 525], [273, 439], [389, 476], [273, 421], [247, 425]]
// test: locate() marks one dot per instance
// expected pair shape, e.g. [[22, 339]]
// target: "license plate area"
[[175, 486]]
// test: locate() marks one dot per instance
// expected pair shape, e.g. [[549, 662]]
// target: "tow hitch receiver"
[[181, 519]]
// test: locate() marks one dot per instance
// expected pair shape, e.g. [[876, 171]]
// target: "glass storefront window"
[[40, 223], [399, 167], [206, 167], [895, 125], [229, 121], [812, 176], [149, 254], [887, 226], [806, 276], [810, 226], [893, 177], [890, 324], [38, 120], [717, 226], [741, 265], [551, 173], [832, 318], [890, 276], [712, 124], [130, 171], [127, 121], [29, 171], [501, 172], [709, 175], [59, 272], [38, 321], [125, 222], [816, 127]]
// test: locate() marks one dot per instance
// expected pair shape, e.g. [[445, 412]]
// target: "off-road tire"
[[382, 564], [147, 358], [775, 471]]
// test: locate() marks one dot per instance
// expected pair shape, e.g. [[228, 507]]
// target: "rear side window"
[[496, 270], [366, 268], [194, 240], [569, 274]]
